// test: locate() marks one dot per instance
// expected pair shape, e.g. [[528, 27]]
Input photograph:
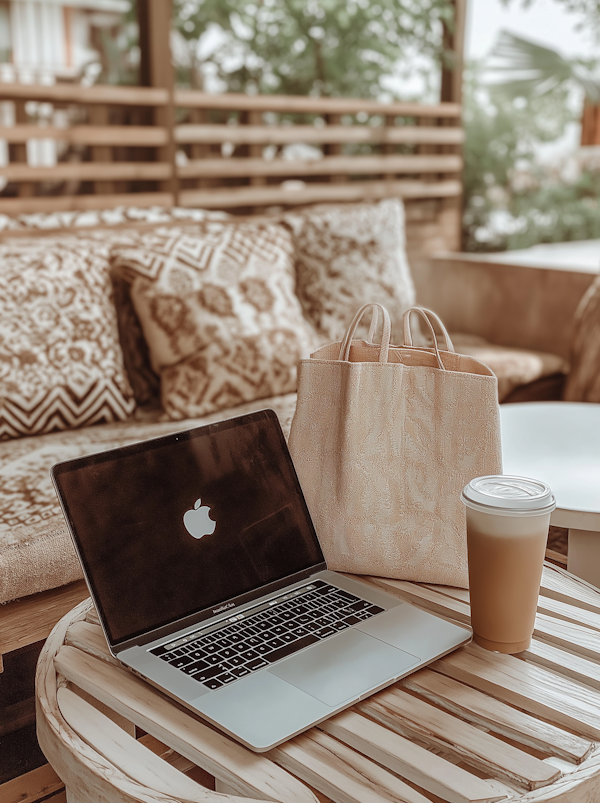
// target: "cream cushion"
[[513, 367], [347, 255]]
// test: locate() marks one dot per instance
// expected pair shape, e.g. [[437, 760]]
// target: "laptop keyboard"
[[250, 641]]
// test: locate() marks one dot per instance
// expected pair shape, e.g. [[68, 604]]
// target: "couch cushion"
[[61, 364], [514, 367], [35, 549], [346, 255], [219, 313]]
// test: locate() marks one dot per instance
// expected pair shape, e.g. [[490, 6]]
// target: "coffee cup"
[[507, 532]]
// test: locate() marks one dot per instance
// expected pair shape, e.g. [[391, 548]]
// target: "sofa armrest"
[[507, 303]]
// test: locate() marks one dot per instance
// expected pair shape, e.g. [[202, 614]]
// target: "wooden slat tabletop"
[[473, 727]]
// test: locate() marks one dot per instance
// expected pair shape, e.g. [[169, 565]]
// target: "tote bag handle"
[[430, 318], [386, 332]]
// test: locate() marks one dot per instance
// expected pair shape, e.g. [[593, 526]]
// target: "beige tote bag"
[[384, 439]]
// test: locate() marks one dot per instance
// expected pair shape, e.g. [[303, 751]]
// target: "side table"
[[559, 443], [474, 727]]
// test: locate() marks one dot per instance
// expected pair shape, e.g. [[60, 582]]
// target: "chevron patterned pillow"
[[219, 313], [61, 364]]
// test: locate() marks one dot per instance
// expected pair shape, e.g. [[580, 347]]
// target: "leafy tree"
[[503, 135], [588, 12], [309, 47], [526, 69]]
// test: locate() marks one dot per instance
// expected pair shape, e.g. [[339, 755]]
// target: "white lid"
[[508, 496]]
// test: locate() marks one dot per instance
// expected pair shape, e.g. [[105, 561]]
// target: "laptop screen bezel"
[[269, 417]]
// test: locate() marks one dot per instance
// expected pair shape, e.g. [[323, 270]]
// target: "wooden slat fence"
[[107, 150], [230, 151], [312, 150]]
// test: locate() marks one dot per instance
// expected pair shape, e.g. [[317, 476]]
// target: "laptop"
[[209, 581]]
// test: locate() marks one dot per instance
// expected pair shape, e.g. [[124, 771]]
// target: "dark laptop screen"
[[154, 554]]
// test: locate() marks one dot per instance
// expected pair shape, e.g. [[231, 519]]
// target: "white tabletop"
[[558, 443]]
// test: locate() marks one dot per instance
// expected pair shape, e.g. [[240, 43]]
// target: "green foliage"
[[310, 47], [501, 174], [557, 211], [525, 68], [587, 12]]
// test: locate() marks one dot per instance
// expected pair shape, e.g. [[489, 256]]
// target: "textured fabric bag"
[[384, 439]]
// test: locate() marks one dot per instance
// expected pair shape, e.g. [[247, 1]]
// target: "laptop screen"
[[182, 523]]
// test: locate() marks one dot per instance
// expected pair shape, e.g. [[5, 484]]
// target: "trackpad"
[[344, 667]]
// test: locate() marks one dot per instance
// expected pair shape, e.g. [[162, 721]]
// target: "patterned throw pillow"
[[346, 255], [61, 364], [219, 314]]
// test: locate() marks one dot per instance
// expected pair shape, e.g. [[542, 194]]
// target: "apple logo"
[[197, 521]]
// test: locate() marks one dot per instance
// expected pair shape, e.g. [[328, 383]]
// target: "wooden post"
[[451, 92], [454, 44], [156, 70]]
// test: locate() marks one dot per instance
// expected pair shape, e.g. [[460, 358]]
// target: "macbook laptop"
[[204, 565]]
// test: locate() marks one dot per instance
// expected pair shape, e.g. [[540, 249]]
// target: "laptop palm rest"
[[273, 705], [345, 667]]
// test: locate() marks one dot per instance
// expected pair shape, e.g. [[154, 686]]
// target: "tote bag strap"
[[386, 332], [428, 316]]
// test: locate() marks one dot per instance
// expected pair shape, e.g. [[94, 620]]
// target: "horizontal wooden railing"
[[109, 146], [246, 151], [121, 145]]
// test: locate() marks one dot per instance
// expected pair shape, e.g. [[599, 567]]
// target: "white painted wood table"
[[474, 727], [559, 443]]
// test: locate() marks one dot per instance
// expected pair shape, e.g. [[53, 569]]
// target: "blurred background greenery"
[[517, 102]]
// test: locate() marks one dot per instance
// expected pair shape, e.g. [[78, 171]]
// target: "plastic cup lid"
[[509, 496]]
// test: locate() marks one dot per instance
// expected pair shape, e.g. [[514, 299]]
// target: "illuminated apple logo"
[[197, 521]]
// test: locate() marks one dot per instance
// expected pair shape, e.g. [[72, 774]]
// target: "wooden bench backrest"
[[137, 146]]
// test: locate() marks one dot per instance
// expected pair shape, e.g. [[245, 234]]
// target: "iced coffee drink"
[[507, 531]]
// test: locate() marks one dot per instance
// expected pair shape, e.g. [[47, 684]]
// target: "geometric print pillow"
[[219, 313], [346, 255], [61, 364]]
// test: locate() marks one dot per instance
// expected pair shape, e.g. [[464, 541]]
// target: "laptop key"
[[261, 649], [257, 663], [360, 605], [213, 684], [288, 637], [227, 653], [179, 663], [194, 667], [237, 660], [224, 642], [213, 659], [275, 643], [351, 620], [207, 674], [325, 631], [240, 671], [253, 641], [249, 655], [211, 647], [226, 678], [289, 649]]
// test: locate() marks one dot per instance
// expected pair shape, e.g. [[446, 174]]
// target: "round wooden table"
[[474, 727], [559, 443]]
